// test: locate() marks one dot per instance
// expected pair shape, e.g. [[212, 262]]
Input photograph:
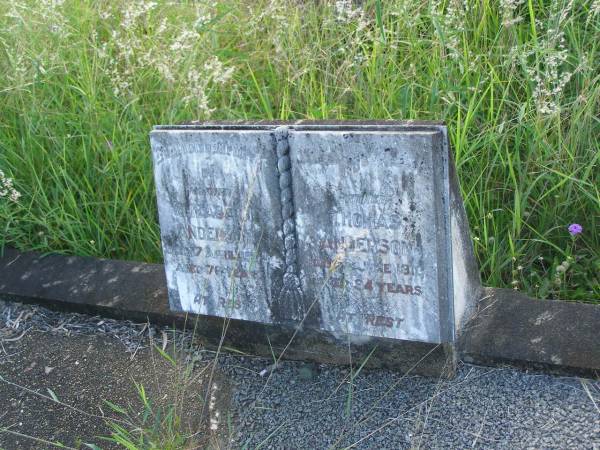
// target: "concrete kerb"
[[508, 328]]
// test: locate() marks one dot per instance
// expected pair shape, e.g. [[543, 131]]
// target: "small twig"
[[15, 323], [13, 261], [478, 436], [587, 391], [268, 369], [43, 441], [139, 345], [165, 340], [143, 328], [15, 338], [74, 408]]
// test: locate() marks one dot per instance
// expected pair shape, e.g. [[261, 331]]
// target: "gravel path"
[[480, 408], [303, 406]]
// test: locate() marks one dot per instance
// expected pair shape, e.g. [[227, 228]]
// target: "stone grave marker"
[[217, 198], [354, 229]]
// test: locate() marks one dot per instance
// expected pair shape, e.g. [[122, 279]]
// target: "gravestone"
[[353, 229]]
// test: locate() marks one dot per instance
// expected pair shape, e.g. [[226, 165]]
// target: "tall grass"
[[517, 82]]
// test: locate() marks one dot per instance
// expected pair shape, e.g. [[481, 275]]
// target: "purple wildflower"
[[575, 229]]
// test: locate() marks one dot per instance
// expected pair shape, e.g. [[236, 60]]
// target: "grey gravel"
[[480, 408], [305, 406]]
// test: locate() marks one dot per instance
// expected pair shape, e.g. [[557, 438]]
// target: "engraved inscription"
[[367, 205], [215, 197]]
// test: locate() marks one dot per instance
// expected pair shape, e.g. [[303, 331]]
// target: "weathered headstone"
[[216, 197], [353, 229]]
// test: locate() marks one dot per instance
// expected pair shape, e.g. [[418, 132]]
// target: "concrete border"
[[138, 292], [508, 327]]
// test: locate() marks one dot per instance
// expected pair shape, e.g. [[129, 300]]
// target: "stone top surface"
[[302, 124]]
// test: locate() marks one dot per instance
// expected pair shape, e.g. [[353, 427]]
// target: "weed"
[[517, 83]]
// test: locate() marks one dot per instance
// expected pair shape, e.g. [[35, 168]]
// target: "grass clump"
[[517, 82], [159, 427]]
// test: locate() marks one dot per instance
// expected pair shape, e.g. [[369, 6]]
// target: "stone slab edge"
[[507, 329], [299, 124]]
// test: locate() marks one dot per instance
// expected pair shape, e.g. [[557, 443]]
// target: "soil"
[[83, 372]]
